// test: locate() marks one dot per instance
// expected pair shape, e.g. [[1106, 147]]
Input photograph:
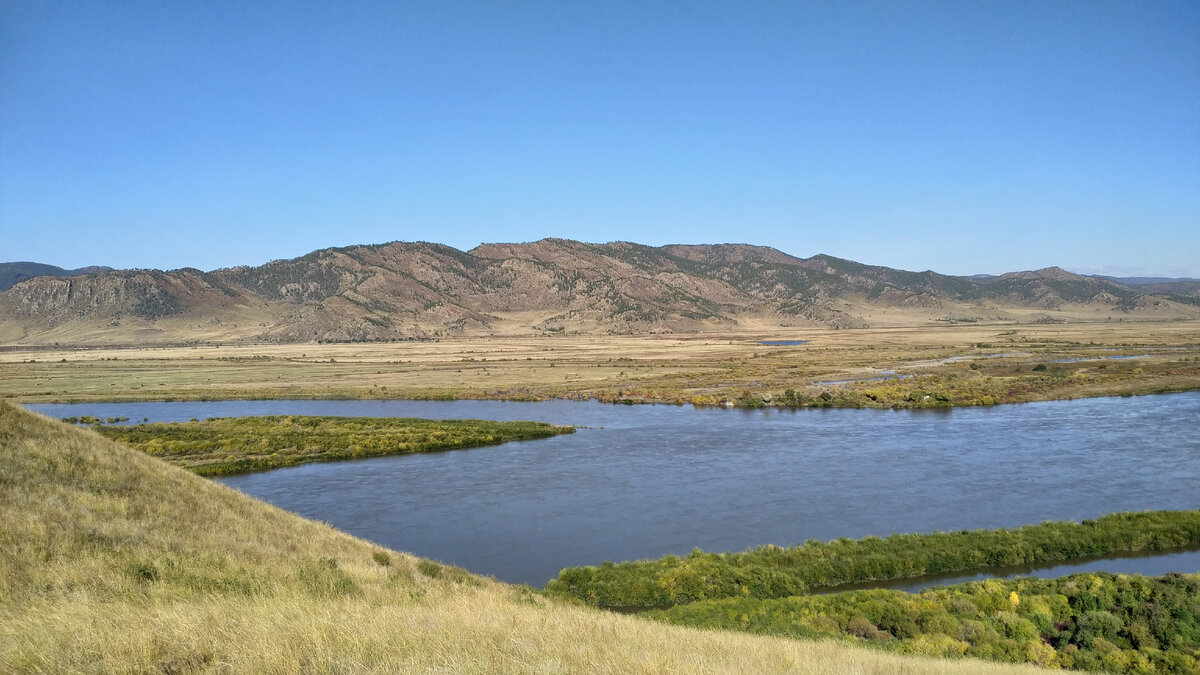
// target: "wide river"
[[647, 480]]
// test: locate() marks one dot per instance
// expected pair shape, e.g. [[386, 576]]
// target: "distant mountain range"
[[421, 290], [1165, 285], [1148, 281]]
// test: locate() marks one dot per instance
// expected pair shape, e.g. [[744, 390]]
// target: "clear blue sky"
[[964, 137]]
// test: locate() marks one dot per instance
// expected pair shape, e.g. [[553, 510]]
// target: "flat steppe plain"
[[956, 364]]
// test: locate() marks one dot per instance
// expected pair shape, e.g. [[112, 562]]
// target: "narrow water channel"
[[1150, 564]]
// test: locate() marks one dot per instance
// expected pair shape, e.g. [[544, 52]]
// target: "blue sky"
[[964, 137]]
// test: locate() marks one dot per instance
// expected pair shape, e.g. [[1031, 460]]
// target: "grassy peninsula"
[[229, 445], [112, 560]]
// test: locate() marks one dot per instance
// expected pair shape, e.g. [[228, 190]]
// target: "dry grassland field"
[[958, 364]]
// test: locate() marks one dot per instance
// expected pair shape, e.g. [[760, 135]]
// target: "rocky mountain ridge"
[[405, 290]]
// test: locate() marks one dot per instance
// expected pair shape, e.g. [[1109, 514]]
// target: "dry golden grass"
[[675, 368], [114, 562]]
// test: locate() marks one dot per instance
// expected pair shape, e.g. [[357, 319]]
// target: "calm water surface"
[[644, 481]]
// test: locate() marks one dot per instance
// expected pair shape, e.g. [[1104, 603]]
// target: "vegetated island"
[[776, 572], [112, 560], [221, 446]]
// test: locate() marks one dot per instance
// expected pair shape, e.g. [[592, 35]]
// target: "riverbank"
[[114, 561], [936, 366]]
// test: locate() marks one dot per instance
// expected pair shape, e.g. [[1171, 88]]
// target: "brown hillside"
[[419, 290]]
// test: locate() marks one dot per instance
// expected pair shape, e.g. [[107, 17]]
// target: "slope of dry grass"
[[113, 561]]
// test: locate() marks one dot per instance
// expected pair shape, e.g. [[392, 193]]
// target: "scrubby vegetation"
[[1107, 622], [229, 445], [775, 572], [114, 561]]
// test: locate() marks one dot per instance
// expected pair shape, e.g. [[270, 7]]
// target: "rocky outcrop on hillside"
[[138, 294]]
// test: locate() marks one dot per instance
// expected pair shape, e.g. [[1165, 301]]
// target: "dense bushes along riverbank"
[[1106, 622], [774, 572], [228, 445]]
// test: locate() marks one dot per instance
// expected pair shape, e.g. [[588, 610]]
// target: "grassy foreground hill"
[[114, 561]]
